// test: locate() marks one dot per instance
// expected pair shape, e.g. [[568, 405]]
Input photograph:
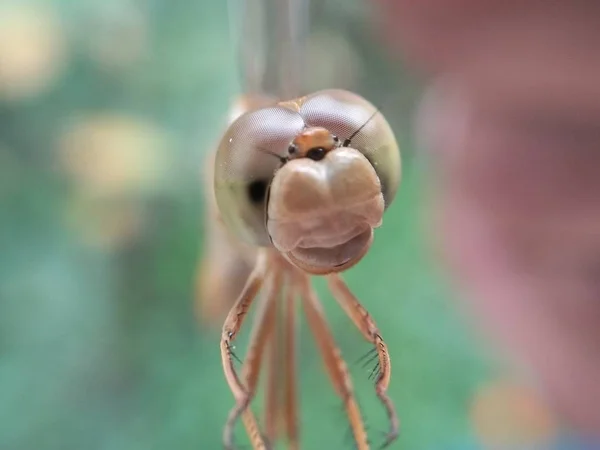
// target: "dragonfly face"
[[310, 177], [321, 214]]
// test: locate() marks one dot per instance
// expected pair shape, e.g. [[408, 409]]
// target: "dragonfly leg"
[[273, 383], [244, 392], [334, 364], [290, 399], [364, 322]]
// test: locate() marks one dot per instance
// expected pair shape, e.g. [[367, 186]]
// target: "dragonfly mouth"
[[324, 260]]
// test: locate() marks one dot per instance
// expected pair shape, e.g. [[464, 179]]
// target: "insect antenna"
[[347, 141], [282, 159]]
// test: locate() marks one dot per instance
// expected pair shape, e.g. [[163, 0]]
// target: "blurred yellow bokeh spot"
[[33, 50], [506, 412], [113, 155], [115, 162]]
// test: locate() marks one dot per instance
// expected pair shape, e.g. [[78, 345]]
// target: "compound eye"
[[248, 156], [357, 124]]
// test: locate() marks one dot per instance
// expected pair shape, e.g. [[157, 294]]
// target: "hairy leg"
[[243, 392], [363, 321]]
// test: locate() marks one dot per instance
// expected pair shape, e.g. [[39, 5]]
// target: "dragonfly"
[[295, 190]]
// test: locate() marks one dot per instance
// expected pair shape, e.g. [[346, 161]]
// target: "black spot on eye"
[[316, 154], [257, 190]]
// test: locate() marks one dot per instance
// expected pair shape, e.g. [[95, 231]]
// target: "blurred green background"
[[107, 110]]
